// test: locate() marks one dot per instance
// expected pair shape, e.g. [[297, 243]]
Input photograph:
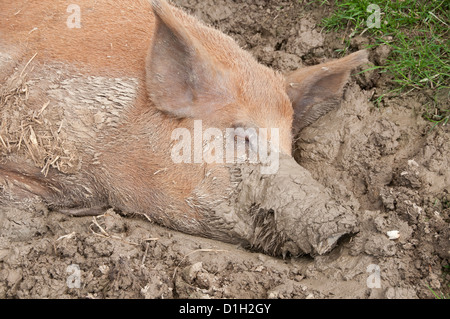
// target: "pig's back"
[[113, 37]]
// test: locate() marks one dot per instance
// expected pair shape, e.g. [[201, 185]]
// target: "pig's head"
[[196, 73]]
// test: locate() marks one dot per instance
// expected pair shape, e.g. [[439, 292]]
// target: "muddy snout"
[[291, 212]]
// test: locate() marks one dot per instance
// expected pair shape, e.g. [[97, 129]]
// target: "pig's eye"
[[238, 138], [248, 136]]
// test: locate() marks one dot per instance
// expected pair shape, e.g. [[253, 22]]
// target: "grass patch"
[[446, 288], [417, 32]]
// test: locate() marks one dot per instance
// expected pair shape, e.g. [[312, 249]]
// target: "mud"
[[385, 163]]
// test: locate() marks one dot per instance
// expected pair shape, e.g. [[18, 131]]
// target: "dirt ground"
[[385, 159]]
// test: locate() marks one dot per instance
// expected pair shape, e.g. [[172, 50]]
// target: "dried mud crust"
[[386, 162]]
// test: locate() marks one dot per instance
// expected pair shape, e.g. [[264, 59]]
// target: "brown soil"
[[387, 161]]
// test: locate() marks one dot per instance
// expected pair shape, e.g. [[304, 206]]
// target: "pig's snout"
[[290, 212]]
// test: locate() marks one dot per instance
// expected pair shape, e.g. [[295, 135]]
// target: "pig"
[[92, 94]]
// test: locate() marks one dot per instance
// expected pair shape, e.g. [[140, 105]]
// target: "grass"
[[442, 295], [438, 295], [417, 31]]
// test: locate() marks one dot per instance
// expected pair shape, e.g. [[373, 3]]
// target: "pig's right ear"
[[315, 90], [181, 77]]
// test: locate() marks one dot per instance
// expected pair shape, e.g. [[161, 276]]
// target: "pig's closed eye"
[[239, 138], [249, 136]]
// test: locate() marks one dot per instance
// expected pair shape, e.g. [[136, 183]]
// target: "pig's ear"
[[182, 78], [315, 90]]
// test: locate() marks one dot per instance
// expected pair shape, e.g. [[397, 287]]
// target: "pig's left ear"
[[182, 78], [315, 90]]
